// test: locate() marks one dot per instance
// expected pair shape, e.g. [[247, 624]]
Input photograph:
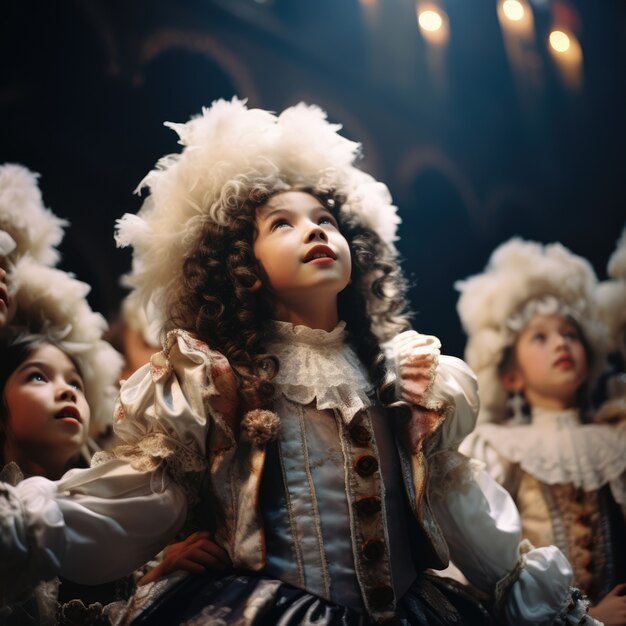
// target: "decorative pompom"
[[33, 227], [258, 427]]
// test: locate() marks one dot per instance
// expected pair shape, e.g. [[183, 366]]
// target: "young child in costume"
[[291, 413], [534, 335], [44, 417]]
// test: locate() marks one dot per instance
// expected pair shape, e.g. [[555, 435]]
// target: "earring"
[[516, 404]]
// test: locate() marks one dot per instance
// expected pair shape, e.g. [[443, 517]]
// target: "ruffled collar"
[[318, 365], [556, 448], [547, 418]]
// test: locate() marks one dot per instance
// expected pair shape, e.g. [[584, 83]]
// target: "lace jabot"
[[319, 365], [557, 448]]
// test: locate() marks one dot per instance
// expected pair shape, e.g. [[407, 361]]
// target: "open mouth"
[[564, 362], [319, 252], [69, 412]]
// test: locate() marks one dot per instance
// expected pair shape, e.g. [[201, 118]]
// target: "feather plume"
[[33, 227]]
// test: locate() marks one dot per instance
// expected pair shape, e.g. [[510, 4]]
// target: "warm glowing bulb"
[[430, 20], [513, 9], [559, 41]]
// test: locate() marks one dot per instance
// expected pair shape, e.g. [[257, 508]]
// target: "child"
[[288, 414], [44, 417], [533, 334]]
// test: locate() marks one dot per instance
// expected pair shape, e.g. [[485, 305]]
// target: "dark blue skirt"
[[254, 600]]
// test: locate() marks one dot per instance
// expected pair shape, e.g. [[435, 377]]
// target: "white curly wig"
[[33, 228], [228, 150], [611, 297], [53, 303], [522, 278]]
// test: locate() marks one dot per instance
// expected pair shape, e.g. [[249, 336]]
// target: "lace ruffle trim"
[[318, 365], [155, 449], [587, 456]]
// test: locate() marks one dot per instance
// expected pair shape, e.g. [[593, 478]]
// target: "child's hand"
[[416, 358], [195, 554], [611, 610]]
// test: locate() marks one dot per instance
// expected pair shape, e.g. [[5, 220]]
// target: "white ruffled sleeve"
[[531, 586], [101, 523], [435, 382]]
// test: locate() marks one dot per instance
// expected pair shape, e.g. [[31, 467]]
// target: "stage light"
[[559, 41], [513, 10], [430, 20]]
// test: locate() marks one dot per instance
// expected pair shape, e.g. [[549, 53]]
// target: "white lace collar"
[[316, 364], [557, 448]]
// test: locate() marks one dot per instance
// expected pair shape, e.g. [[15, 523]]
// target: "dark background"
[[475, 148]]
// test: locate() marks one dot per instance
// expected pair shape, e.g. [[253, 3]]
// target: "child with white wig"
[[537, 346], [58, 377], [292, 414]]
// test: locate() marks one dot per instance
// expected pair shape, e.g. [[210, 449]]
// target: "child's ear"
[[257, 285], [513, 381]]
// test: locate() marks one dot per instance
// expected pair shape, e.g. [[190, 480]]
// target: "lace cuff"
[[183, 463], [416, 358]]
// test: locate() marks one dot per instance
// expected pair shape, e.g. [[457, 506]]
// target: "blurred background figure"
[[133, 335], [538, 347]]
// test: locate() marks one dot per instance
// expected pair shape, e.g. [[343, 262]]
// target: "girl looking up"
[[44, 415]]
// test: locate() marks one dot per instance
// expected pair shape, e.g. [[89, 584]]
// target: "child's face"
[[550, 363], [305, 258], [47, 409]]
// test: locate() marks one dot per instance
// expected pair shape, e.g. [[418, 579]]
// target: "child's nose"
[[317, 232], [66, 392]]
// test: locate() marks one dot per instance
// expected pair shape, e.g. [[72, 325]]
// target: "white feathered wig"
[[611, 297], [50, 301], [32, 227], [229, 150], [522, 278]]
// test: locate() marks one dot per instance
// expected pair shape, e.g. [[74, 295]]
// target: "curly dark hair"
[[216, 303]]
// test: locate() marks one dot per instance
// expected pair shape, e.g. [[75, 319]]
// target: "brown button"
[[366, 465], [380, 597], [373, 549], [360, 434], [368, 506]]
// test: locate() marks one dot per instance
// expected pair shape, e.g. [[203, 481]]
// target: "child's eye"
[[327, 219], [539, 337], [77, 384], [279, 223], [37, 377]]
